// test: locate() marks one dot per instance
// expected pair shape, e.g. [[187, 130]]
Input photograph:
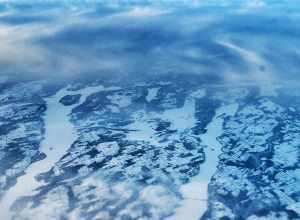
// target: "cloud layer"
[[253, 40]]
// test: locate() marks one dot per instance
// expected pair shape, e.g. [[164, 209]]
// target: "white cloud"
[[145, 12], [252, 5], [254, 61]]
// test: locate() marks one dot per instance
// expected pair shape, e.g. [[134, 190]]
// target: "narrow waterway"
[[195, 193], [59, 136]]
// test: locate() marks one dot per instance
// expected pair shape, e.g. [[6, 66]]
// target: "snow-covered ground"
[[195, 193], [59, 136], [180, 119]]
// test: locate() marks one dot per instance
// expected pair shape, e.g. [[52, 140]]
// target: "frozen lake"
[[59, 136], [195, 193]]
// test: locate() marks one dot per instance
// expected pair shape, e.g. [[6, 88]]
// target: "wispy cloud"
[[146, 12], [259, 70]]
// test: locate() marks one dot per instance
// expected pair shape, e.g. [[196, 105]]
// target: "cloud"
[[251, 6], [255, 4], [143, 39], [145, 12], [17, 53], [259, 70]]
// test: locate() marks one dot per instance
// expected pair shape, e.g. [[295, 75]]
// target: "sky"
[[235, 40]]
